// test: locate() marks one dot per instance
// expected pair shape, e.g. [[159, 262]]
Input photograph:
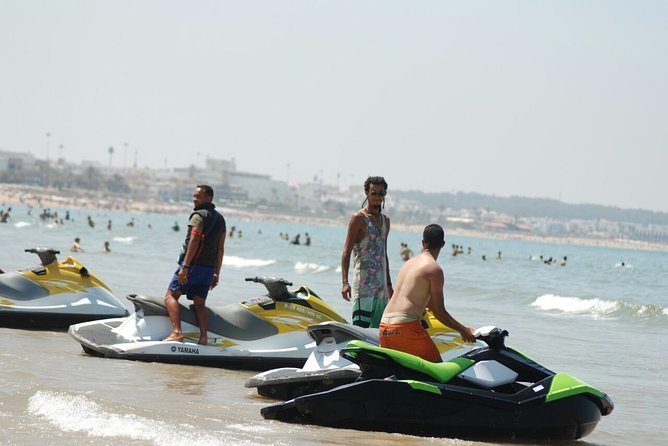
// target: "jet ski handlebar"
[[46, 255], [276, 287], [492, 336]]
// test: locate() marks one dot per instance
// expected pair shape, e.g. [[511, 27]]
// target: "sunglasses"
[[377, 194]]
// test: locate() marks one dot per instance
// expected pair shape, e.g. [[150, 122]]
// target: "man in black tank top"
[[199, 263]]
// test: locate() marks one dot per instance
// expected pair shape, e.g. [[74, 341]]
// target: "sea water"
[[605, 323]]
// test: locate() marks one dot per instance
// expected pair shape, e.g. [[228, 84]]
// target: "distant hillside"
[[533, 207]]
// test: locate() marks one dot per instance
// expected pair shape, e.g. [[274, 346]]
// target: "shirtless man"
[[419, 286]]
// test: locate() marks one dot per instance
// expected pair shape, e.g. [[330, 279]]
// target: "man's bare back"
[[413, 289], [420, 286]]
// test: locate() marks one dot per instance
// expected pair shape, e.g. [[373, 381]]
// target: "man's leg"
[[202, 319], [174, 311]]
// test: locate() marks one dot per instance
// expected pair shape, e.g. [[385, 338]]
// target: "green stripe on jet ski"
[[564, 385], [420, 385], [441, 371]]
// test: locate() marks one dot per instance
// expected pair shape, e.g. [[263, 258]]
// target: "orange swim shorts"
[[409, 337]]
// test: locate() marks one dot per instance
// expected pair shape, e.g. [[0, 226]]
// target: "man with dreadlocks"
[[367, 240]]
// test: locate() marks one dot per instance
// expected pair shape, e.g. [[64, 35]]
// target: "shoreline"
[[12, 194]]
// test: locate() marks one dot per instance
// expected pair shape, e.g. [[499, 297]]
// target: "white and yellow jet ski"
[[260, 333], [54, 295]]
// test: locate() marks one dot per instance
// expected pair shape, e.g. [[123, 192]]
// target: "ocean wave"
[[598, 308], [22, 224], [304, 267], [240, 262], [125, 240], [78, 413]]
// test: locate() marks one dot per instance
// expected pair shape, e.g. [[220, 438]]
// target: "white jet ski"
[[54, 295], [326, 369], [256, 334]]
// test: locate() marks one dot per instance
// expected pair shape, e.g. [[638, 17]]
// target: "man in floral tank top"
[[366, 239]]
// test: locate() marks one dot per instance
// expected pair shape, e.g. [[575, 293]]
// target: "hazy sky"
[[556, 99]]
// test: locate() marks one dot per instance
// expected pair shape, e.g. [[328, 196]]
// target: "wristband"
[[185, 266]]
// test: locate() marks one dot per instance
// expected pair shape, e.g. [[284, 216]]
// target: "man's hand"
[[214, 281], [467, 335], [345, 291], [183, 276]]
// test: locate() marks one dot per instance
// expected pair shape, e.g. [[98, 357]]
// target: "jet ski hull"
[[100, 338], [259, 334], [47, 321], [439, 410]]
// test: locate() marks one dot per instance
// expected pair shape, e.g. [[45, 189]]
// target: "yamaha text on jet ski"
[[488, 393], [54, 295], [256, 334]]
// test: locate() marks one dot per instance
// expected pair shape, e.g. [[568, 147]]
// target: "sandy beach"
[[78, 198]]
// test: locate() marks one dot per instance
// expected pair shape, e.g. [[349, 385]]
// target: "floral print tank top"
[[369, 261]]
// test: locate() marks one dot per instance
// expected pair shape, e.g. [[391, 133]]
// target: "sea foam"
[[305, 267], [240, 262], [124, 240], [598, 308], [79, 413]]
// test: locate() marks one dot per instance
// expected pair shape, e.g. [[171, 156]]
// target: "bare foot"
[[203, 340], [173, 337]]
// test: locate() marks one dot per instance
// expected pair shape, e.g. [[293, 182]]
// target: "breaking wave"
[[599, 308], [240, 262], [306, 267], [125, 240], [78, 413]]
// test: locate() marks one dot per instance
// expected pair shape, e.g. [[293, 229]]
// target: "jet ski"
[[54, 295], [260, 333], [326, 368], [493, 392]]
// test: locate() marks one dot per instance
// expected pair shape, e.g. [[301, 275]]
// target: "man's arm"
[[193, 243], [437, 305], [351, 238], [390, 290], [220, 253]]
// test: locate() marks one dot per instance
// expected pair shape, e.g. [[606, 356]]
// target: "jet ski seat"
[[489, 374], [342, 332], [232, 320], [440, 371], [16, 287]]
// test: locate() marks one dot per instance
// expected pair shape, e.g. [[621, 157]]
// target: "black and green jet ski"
[[493, 392]]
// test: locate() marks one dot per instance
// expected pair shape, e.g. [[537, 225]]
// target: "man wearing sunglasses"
[[366, 239]]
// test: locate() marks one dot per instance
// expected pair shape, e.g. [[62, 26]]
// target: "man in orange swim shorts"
[[420, 285]]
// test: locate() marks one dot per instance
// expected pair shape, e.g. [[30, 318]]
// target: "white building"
[[14, 161]]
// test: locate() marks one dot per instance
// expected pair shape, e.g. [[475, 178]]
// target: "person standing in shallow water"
[[199, 263], [366, 239]]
